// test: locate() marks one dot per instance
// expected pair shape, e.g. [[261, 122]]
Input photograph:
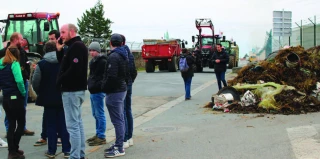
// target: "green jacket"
[[18, 79]]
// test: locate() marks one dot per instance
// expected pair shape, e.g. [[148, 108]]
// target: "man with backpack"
[[186, 63]]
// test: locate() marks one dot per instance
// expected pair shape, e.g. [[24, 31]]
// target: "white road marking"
[[303, 142]]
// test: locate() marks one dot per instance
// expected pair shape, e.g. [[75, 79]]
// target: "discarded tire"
[[231, 90]]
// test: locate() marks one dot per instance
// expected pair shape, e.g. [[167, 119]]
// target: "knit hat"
[[95, 46]]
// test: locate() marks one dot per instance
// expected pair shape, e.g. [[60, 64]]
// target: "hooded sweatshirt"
[[11, 81], [116, 73], [44, 80], [132, 67]]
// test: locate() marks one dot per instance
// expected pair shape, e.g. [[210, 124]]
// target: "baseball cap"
[[116, 37]]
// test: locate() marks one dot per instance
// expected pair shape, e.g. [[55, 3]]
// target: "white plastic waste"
[[222, 101], [248, 99]]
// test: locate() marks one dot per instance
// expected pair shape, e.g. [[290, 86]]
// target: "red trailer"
[[164, 53]]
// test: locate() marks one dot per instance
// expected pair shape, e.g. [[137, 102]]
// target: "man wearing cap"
[[115, 86], [72, 81], [97, 67]]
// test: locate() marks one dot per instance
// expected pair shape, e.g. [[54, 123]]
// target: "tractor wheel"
[[150, 67], [231, 62], [172, 65], [199, 68]]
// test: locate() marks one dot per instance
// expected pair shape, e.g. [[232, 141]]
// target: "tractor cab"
[[34, 28]]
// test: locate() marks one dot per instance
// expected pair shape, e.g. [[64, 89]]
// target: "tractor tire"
[[150, 67], [231, 62], [172, 65], [199, 68]]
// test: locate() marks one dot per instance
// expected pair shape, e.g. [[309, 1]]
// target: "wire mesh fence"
[[305, 32]]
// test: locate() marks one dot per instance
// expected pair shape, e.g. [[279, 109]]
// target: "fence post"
[[289, 41], [314, 30], [300, 32]]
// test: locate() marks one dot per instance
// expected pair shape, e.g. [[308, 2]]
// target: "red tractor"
[[34, 28], [164, 53], [205, 44]]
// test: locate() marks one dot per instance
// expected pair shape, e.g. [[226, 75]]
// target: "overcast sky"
[[245, 21]]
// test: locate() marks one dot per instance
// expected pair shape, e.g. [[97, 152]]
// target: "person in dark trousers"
[[14, 92], [115, 86], [25, 70], [188, 75], [220, 59], [128, 118], [72, 81], [97, 68], [53, 36], [43, 81]]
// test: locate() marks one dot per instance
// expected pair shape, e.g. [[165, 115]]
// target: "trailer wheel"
[[150, 67], [172, 65]]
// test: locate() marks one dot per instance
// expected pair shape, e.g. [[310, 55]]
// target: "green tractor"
[[232, 50]]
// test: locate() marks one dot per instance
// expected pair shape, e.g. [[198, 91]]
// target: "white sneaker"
[[126, 145], [130, 142], [3, 144]]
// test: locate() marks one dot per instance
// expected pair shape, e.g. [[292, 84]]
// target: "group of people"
[[219, 58], [60, 80]]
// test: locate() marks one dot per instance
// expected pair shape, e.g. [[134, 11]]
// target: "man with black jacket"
[[115, 86], [72, 81], [16, 39], [220, 59], [97, 67]]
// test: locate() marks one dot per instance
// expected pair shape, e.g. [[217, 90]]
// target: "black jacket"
[[74, 66], [24, 62], [224, 60], [97, 67], [190, 61], [116, 73]]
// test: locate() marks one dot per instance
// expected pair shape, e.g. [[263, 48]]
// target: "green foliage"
[[94, 24]]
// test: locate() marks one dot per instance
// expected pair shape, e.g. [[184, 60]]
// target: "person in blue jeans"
[[97, 67], [220, 59], [48, 96], [188, 75], [72, 81], [115, 86], [128, 118]]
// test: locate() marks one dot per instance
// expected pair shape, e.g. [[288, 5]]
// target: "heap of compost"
[[292, 74]]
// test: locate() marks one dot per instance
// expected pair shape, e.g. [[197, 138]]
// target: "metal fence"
[[133, 45], [305, 33]]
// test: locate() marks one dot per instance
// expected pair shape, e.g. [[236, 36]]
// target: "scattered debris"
[[285, 83]]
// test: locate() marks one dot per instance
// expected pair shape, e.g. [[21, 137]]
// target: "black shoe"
[[50, 155], [66, 155]]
